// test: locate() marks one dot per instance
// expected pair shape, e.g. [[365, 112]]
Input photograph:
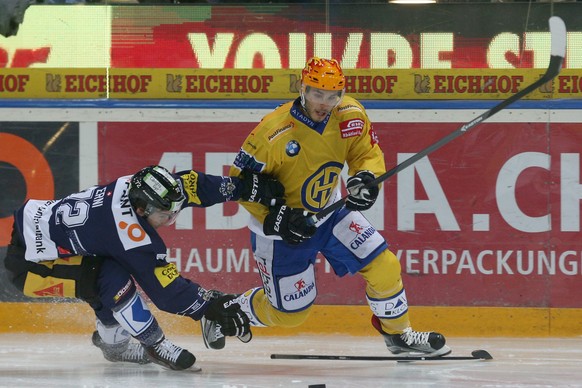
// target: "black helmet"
[[153, 188]]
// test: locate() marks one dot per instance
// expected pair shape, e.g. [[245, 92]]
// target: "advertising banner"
[[493, 220], [172, 84], [370, 36]]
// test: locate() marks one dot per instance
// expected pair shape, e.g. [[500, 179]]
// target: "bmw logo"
[[292, 148]]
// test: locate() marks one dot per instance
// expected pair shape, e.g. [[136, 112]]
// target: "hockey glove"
[[361, 198], [293, 225], [227, 313], [261, 188]]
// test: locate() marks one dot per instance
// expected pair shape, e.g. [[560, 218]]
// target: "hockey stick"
[[475, 355], [558, 51]]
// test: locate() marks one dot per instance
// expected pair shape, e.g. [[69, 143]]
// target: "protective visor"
[[322, 97]]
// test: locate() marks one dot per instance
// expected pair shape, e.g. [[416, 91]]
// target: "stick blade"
[[559, 36], [481, 354]]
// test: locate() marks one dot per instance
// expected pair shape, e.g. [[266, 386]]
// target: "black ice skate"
[[168, 355], [122, 352], [413, 343]]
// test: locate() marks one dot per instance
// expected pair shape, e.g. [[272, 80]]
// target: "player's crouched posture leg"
[[118, 294], [73, 277], [289, 287], [287, 272]]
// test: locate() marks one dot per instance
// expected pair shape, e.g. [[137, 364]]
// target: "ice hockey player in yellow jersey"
[[304, 144]]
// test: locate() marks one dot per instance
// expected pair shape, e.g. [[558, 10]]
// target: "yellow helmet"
[[323, 74]]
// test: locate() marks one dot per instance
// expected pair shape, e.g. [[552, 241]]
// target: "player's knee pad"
[[134, 315], [261, 312]]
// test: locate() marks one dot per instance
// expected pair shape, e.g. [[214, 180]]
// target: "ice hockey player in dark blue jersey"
[[98, 244]]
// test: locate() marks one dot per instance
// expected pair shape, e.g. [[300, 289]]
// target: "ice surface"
[[42, 360]]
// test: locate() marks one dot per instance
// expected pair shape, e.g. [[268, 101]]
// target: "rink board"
[[486, 229], [78, 318]]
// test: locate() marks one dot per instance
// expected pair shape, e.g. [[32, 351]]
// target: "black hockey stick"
[[475, 355], [558, 51]]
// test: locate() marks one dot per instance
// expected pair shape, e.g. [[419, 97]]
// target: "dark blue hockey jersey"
[[101, 222]]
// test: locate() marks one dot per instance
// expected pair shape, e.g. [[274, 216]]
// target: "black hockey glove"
[[227, 313], [361, 198], [261, 188], [293, 225]]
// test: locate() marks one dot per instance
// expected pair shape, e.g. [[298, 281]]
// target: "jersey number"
[[75, 212]]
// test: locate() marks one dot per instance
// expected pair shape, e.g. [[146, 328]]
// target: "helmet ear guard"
[[152, 188]]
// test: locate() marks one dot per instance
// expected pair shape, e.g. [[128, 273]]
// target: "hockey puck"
[[316, 386]]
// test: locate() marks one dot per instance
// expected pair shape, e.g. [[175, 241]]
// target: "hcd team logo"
[[318, 188]]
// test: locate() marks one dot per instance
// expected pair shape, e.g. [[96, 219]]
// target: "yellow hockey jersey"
[[307, 157]]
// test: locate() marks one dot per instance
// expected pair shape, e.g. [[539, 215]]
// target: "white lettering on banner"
[[212, 260], [432, 45], [215, 260], [491, 262], [414, 261], [571, 192], [387, 50], [505, 192], [436, 203], [535, 42], [409, 206]]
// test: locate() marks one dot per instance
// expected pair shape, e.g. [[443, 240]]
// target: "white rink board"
[[228, 115]]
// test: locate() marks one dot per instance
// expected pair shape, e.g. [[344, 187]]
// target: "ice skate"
[[121, 352], [168, 355], [413, 343]]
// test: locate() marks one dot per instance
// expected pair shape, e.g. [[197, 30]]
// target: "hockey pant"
[[351, 245], [73, 277]]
